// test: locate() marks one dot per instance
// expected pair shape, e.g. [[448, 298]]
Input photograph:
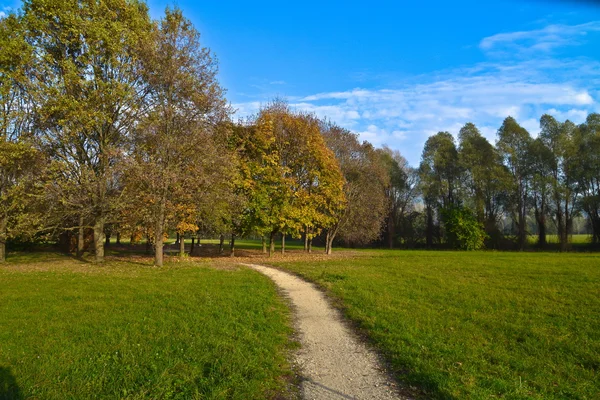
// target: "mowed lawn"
[[458, 325], [71, 330]]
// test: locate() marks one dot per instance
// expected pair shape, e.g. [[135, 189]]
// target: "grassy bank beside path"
[[478, 325], [72, 330]]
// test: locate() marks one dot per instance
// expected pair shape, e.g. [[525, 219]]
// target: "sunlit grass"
[[476, 324], [70, 329]]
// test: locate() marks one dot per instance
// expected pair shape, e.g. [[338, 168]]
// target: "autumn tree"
[[87, 88], [366, 180], [176, 158], [20, 161], [290, 179]]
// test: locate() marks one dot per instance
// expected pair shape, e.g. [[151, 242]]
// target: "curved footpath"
[[333, 363]]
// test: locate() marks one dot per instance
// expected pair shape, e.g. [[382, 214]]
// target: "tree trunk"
[[542, 232], [80, 238], [560, 225], [158, 246], [182, 245], [564, 238], [177, 240], [192, 246], [221, 242], [391, 230], [329, 242], [264, 245], [429, 228], [595, 222], [283, 243], [271, 244], [159, 228], [107, 239], [119, 238], [99, 240], [310, 246], [306, 238], [232, 245], [3, 237]]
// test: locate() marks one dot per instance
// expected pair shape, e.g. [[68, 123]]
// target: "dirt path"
[[334, 364]]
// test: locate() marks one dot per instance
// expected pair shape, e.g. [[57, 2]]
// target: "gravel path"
[[333, 363]]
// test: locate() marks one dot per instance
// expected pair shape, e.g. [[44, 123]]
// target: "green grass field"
[[71, 330], [478, 325]]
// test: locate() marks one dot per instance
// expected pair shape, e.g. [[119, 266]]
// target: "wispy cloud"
[[545, 39], [403, 116]]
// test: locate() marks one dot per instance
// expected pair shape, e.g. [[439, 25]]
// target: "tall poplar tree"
[[439, 174], [560, 139], [587, 140], [513, 144]]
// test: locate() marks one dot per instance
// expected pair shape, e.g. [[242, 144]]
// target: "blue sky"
[[397, 72]]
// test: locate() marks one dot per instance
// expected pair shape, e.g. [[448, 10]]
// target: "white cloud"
[[404, 116], [2, 14], [544, 40]]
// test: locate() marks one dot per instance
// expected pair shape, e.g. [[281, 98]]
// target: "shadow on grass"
[[9, 390]]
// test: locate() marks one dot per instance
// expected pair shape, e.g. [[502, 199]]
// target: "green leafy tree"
[[587, 170], [560, 139], [541, 161], [485, 179], [513, 144], [439, 174]]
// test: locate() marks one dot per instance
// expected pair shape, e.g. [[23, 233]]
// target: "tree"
[[439, 174], [290, 179], [541, 159], [485, 178], [513, 144], [20, 162], [87, 88], [366, 180], [559, 138], [587, 170], [401, 192], [176, 158]]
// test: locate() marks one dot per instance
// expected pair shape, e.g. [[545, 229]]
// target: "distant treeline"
[[114, 125]]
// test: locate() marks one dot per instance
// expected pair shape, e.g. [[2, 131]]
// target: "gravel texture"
[[333, 362]]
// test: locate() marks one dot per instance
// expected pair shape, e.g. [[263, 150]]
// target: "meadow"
[[73, 330], [450, 325], [456, 325]]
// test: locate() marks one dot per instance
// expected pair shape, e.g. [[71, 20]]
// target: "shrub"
[[462, 229]]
